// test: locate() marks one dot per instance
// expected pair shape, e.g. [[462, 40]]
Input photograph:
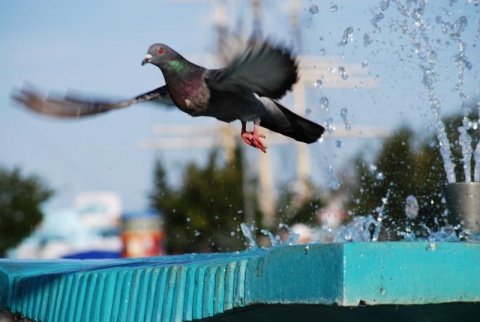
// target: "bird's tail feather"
[[282, 120]]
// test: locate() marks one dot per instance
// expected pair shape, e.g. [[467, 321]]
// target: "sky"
[[95, 47]]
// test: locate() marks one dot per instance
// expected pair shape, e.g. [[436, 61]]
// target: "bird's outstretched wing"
[[266, 69], [75, 106]]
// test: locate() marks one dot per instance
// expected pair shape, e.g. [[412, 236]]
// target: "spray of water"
[[420, 41]]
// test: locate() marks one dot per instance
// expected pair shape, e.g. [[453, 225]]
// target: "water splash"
[[292, 236], [424, 50], [247, 232], [462, 63], [476, 155], [274, 239], [465, 142]]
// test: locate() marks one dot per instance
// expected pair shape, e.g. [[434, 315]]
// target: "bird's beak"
[[146, 59]]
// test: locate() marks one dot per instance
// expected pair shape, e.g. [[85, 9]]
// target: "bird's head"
[[158, 54]]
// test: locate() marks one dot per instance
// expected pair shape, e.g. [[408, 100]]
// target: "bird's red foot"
[[253, 139]]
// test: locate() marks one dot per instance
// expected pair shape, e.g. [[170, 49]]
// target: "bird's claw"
[[253, 139]]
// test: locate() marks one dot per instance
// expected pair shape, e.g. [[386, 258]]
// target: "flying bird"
[[247, 89]]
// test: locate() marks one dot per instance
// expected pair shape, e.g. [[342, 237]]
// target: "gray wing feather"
[[265, 69], [72, 106]]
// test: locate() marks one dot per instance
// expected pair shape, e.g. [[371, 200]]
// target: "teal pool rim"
[[196, 286]]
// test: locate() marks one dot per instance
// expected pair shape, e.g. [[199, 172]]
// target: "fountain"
[[342, 281]]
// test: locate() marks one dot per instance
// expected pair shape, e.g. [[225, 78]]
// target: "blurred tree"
[[204, 213], [20, 213], [294, 207], [402, 169]]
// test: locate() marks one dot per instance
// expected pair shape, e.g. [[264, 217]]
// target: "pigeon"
[[247, 89]]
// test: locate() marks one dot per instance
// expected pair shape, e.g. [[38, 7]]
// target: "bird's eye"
[[160, 50]]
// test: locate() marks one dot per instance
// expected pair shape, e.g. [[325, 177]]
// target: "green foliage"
[[20, 199], [205, 211], [295, 208]]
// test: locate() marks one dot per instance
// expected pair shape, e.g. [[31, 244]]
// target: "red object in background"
[[142, 234]]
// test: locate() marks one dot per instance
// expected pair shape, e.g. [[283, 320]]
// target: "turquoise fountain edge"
[[199, 286]]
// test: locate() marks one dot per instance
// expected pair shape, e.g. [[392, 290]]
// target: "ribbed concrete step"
[[311, 282]]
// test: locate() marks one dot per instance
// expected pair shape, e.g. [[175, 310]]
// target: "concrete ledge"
[[313, 279]]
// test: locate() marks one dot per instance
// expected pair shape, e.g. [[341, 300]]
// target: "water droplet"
[[432, 56], [338, 144], [329, 125], [313, 10], [367, 40], [428, 77], [347, 36], [376, 19], [380, 176], [322, 52], [343, 114], [333, 7], [324, 103], [462, 62], [308, 111], [364, 63], [334, 184], [384, 4], [460, 24], [341, 70], [411, 207], [318, 83], [330, 169]]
